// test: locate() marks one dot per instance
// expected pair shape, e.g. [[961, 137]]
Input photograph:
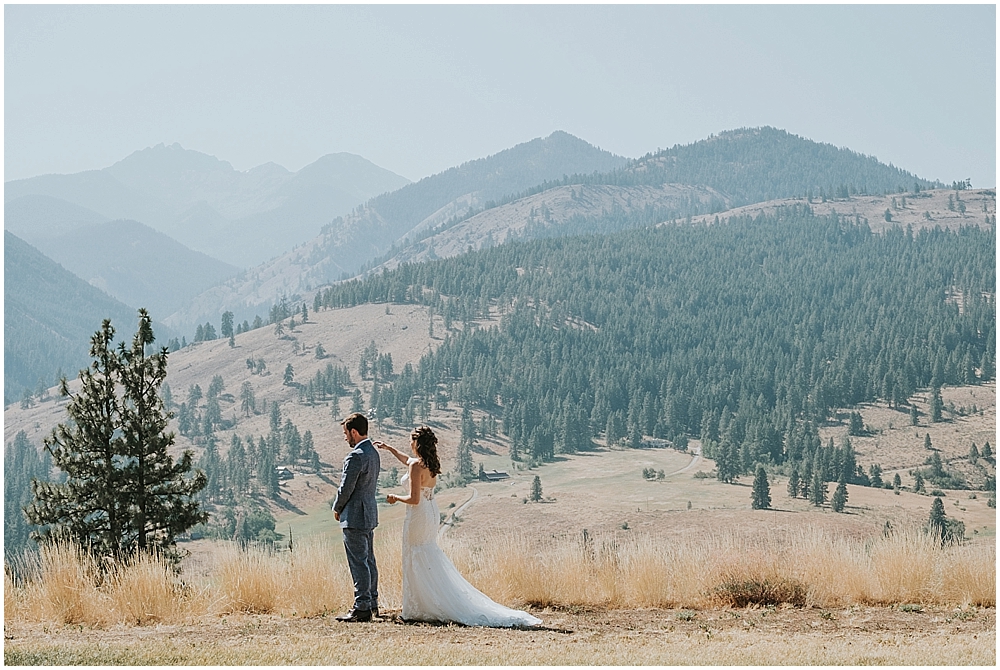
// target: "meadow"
[[901, 598]]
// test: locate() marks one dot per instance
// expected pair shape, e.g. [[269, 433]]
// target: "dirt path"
[[449, 522], [695, 460], [796, 636]]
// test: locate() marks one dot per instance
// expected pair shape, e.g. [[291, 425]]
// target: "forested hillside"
[[745, 333], [757, 164], [731, 169], [49, 316]]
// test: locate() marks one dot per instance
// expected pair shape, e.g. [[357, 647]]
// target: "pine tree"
[[227, 324], [918, 482], [289, 377], [793, 482], [937, 404], [536, 489], [123, 492], [937, 521], [247, 401], [839, 499], [760, 497], [817, 488], [973, 453], [275, 418], [927, 441], [805, 481], [464, 466], [913, 415], [857, 426], [987, 451]]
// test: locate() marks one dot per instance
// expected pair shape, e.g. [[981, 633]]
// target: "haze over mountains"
[[49, 316], [241, 218], [127, 259], [151, 229]]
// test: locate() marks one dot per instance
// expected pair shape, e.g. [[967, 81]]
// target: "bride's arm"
[[395, 452], [416, 475]]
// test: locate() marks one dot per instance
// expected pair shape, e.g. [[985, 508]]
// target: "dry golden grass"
[[815, 568], [836, 570], [307, 582]]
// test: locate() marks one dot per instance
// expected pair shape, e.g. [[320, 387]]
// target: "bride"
[[433, 590]]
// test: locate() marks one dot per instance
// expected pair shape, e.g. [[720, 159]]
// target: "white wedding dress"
[[433, 589]]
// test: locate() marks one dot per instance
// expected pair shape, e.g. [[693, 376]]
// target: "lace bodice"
[[426, 492]]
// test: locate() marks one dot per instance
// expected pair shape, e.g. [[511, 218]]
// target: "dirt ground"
[[854, 636]]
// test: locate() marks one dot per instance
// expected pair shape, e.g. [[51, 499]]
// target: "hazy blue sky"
[[418, 89]]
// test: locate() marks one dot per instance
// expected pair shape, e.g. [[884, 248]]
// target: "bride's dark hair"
[[427, 448]]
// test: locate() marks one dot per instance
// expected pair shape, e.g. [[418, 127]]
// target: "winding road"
[[449, 521]]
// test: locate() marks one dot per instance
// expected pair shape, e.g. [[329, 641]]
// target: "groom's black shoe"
[[356, 616]]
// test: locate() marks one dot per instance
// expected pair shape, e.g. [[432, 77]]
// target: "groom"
[[356, 510]]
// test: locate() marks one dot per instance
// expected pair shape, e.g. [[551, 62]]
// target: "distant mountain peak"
[[170, 158]]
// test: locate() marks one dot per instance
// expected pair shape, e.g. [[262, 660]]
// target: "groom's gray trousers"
[[361, 560]]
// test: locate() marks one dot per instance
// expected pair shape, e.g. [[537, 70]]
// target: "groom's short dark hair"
[[356, 421]]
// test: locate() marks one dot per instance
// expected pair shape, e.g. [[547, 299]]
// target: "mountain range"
[[241, 218], [128, 260], [150, 229], [485, 202]]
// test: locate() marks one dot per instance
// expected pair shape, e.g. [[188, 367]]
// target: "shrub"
[[737, 592]]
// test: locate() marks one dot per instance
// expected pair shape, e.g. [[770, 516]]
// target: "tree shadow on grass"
[[287, 506]]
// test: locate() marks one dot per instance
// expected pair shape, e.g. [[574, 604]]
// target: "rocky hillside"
[[562, 210]]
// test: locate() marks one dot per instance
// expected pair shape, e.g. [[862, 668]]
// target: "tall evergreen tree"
[[123, 492], [793, 482], [247, 400], [227, 324], [937, 404], [275, 418], [536, 489], [839, 499], [817, 488], [760, 496], [937, 520]]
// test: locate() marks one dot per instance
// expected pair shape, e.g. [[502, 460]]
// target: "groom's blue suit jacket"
[[356, 496]]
